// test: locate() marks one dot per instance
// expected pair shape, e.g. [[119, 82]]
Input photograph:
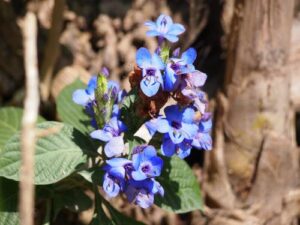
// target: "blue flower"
[[146, 163], [182, 149], [178, 123], [151, 67], [111, 134], [178, 66], [142, 192], [114, 178], [179, 129], [203, 140], [165, 28], [85, 96]]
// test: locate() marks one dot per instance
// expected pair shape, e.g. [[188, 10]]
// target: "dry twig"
[[31, 106]]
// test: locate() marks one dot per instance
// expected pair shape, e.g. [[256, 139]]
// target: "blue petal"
[[92, 85], [171, 38], [149, 86], [176, 136], [173, 113], [205, 126], [116, 111], [189, 56], [118, 172], [189, 130], [157, 188], [111, 188], [152, 33], [151, 125], [80, 97], [157, 62], [157, 164], [150, 24], [203, 141], [101, 135], [163, 23], [176, 29], [163, 125], [188, 115], [118, 162], [168, 147], [143, 58], [149, 152], [182, 154], [138, 175], [169, 78], [114, 147], [144, 199], [121, 126], [197, 78]]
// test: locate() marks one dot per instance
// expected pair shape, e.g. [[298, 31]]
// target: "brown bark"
[[257, 159]]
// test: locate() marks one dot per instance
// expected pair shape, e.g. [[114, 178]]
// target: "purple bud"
[[105, 97], [176, 52], [105, 71]]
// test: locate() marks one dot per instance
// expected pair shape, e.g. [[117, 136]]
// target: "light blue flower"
[[165, 28], [111, 134], [142, 192], [203, 139], [85, 96], [146, 163], [178, 66], [182, 150], [151, 71], [114, 178]]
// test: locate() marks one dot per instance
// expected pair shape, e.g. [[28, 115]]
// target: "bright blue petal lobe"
[[173, 113], [152, 33], [188, 115], [168, 147], [157, 62], [143, 57], [92, 85], [205, 126], [157, 164], [189, 56], [169, 78]]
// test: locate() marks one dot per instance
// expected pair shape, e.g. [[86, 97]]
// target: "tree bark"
[[254, 166]]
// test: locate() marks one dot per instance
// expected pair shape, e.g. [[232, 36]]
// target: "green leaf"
[[9, 218], [10, 123], [60, 151], [8, 202], [71, 113], [182, 192]]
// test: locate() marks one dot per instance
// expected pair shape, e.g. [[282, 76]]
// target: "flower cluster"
[[156, 78]]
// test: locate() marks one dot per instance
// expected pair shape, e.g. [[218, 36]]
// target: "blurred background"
[[251, 53]]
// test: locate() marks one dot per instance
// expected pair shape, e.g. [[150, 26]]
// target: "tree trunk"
[[253, 170]]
